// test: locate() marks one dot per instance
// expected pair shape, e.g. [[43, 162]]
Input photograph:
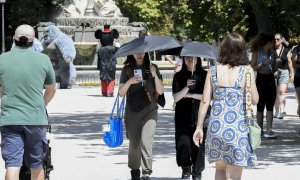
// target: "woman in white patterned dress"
[[227, 142]]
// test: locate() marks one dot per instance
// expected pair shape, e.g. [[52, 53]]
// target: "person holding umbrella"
[[142, 83], [187, 90], [227, 139]]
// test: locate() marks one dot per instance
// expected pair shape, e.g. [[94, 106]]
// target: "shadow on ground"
[[88, 127]]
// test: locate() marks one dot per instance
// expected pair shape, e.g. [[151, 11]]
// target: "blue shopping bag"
[[114, 137]]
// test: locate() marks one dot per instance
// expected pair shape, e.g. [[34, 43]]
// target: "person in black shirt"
[[285, 74], [187, 89]]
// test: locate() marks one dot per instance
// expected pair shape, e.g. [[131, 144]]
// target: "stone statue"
[[102, 8], [107, 8], [76, 8]]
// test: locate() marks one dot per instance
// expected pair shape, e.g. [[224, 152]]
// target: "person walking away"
[[285, 74], [296, 64], [23, 122], [263, 60], [187, 90], [227, 141], [141, 82], [106, 64]]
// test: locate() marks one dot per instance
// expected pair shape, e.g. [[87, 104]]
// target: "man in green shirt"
[[24, 74]]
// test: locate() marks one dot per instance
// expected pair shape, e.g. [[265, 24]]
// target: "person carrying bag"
[[254, 129], [114, 137]]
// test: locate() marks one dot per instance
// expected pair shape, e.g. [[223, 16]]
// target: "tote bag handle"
[[119, 107]]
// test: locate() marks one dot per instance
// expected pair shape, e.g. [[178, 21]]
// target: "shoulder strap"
[[281, 51], [249, 110], [214, 76], [239, 77]]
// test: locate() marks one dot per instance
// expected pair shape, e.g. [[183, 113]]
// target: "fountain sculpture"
[[81, 18]]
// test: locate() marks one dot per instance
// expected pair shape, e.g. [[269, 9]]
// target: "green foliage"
[[202, 20], [32, 12]]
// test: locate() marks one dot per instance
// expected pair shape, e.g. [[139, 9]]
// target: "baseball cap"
[[26, 31]]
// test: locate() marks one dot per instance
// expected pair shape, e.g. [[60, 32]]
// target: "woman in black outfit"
[[187, 92]]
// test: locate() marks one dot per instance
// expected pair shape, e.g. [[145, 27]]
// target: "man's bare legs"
[[37, 174], [12, 173]]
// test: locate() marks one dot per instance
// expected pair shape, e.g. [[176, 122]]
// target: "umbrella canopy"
[[174, 51], [146, 44], [199, 49]]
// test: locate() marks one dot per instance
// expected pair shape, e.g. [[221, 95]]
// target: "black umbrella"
[[194, 49], [146, 44], [174, 51], [199, 49]]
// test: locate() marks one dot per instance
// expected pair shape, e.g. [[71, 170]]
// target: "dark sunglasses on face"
[[277, 39]]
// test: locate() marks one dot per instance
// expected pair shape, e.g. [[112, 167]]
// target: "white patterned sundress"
[[228, 131]]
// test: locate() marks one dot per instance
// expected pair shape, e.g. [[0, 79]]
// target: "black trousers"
[[187, 153], [267, 91]]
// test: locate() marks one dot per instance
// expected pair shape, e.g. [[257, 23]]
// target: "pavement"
[[79, 153]]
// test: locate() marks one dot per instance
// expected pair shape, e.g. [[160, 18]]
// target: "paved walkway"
[[79, 153]]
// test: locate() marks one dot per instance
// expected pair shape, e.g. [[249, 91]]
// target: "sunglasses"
[[277, 39]]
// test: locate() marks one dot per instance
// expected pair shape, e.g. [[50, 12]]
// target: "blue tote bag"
[[114, 137]]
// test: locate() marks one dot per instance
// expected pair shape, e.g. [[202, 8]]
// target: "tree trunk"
[[262, 16]]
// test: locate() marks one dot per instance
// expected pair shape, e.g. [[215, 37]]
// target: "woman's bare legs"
[[234, 172], [227, 172], [280, 101], [220, 170]]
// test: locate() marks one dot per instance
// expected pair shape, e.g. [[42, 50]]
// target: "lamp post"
[[2, 2]]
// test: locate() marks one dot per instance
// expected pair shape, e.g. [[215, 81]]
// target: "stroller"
[[25, 173]]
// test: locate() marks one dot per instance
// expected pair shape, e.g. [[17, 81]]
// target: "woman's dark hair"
[[233, 51], [23, 42], [261, 40], [130, 61], [198, 65]]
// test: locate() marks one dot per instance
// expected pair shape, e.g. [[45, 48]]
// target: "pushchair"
[[25, 173]]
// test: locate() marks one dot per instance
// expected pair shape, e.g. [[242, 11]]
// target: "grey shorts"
[[283, 76], [23, 142]]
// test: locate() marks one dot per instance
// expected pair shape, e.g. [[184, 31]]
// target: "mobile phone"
[[138, 73]]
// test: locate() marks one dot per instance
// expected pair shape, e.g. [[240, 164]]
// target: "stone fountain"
[[81, 18]]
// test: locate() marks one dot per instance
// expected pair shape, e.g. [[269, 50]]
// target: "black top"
[[127, 73], [184, 107], [283, 57], [106, 63]]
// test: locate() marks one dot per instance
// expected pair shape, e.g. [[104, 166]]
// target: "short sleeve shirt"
[[127, 73], [23, 74]]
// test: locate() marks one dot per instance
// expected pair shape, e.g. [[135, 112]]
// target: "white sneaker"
[[282, 115], [276, 114]]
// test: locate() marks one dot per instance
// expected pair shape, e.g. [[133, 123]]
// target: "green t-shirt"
[[23, 74]]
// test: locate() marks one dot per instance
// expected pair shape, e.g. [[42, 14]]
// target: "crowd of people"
[[209, 118]]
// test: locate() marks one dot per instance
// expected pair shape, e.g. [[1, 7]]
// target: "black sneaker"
[[145, 177], [197, 178], [135, 174], [186, 173]]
